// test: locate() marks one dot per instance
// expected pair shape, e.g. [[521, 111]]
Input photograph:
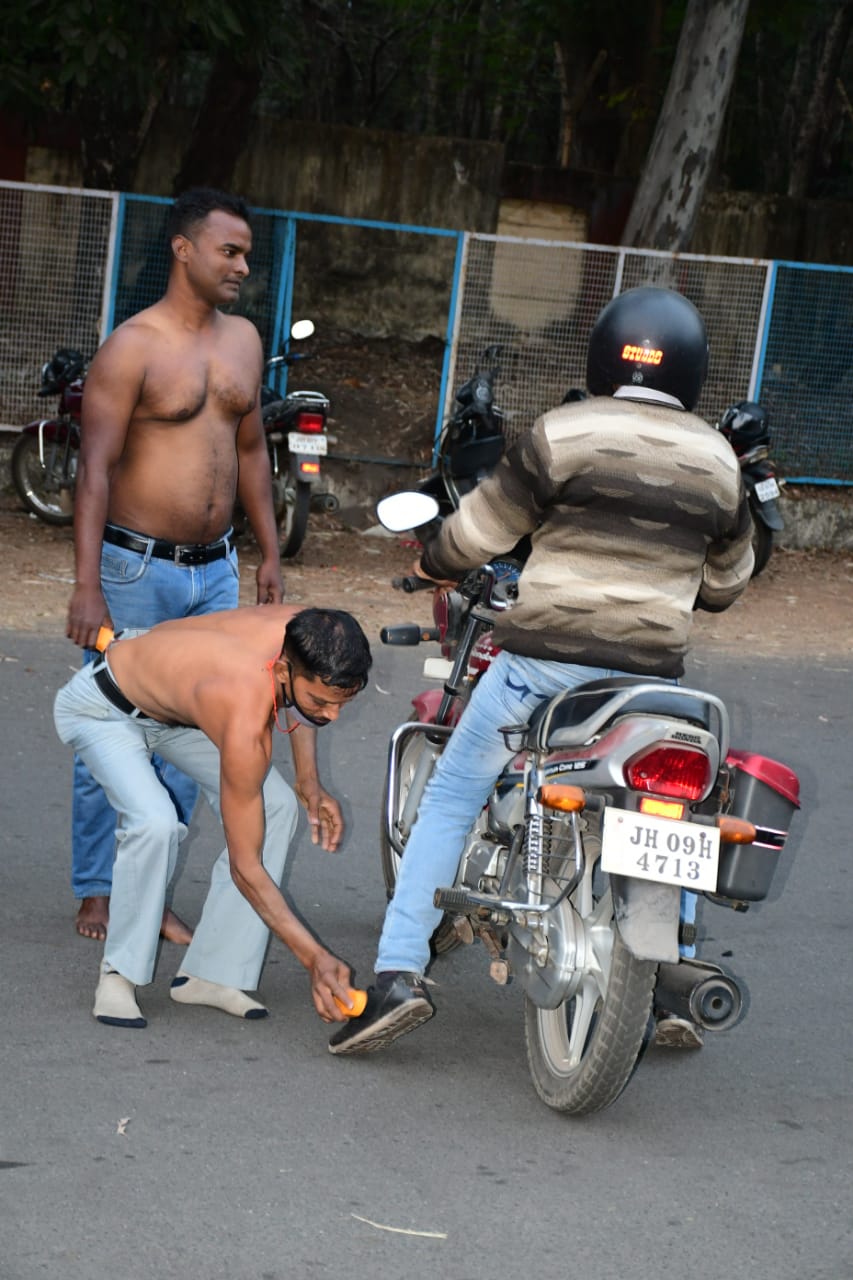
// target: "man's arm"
[[112, 389], [254, 488], [324, 813], [728, 562], [503, 508], [243, 767]]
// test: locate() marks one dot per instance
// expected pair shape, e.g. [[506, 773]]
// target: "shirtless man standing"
[[171, 433], [205, 693]]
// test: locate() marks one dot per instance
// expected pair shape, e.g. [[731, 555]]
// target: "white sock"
[[115, 1000], [189, 990]]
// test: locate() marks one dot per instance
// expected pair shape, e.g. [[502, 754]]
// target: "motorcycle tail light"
[[312, 423], [309, 468], [679, 772]]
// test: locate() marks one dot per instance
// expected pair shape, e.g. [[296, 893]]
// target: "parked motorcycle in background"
[[295, 426], [472, 440], [746, 426], [44, 459], [621, 793]]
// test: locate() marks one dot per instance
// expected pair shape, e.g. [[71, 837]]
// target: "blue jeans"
[[230, 941], [140, 591], [460, 785]]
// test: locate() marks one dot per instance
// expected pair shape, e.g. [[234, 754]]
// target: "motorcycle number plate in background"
[[661, 849], [299, 442], [766, 489]]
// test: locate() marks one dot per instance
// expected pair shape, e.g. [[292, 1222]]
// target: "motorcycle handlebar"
[[412, 583]]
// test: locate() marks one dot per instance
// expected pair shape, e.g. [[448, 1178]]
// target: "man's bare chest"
[[179, 389]]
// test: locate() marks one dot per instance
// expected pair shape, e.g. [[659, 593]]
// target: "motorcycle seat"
[[578, 713]]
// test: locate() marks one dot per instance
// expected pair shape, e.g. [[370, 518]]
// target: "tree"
[[688, 130], [833, 46]]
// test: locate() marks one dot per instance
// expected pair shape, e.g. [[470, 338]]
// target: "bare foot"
[[93, 916], [173, 929]]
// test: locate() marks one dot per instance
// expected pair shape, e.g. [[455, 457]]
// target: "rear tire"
[[47, 491], [295, 520], [762, 544], [582, 1054]]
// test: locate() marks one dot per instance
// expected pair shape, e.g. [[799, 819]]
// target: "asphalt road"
[[210, 1149]]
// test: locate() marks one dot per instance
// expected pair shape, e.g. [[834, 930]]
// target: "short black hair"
[[329, 645], [194, 205]]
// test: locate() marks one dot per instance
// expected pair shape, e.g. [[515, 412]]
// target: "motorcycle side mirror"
[[302, 329], [407, 510]]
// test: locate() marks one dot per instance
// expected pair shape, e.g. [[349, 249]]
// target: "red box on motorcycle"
[[765, 793]]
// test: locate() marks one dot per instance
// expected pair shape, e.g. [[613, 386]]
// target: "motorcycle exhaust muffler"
[[700, 992], [325, 502]]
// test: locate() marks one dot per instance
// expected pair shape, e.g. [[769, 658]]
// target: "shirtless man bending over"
[[206, 693], [171, 433]]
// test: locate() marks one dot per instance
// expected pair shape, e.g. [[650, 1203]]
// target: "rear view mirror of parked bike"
[[408, 510], [302, 329]]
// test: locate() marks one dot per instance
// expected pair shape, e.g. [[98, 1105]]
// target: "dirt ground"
[[384, 397], [801, 606]]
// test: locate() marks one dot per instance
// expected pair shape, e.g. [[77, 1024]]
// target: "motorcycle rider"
[[637, 516], [171, 432]]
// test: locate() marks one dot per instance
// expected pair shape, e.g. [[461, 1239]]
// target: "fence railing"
[[74, 264]]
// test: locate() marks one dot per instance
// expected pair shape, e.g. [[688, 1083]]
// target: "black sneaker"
[[398, 1003]]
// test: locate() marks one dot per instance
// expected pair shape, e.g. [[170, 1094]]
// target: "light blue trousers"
[[140, 591], [460, 785], [230, 940]]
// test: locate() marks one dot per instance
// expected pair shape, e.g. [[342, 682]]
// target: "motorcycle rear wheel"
[[48, 491], [582, 1054], [762, 544], [294, 525], [445, 937]]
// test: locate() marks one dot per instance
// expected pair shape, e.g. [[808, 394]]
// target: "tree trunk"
[[682, 153], [806, 145], [221, 126]]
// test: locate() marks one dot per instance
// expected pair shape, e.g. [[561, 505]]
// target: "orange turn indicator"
[[736, 830], [105, 636], [555, 795], [359, 1003]]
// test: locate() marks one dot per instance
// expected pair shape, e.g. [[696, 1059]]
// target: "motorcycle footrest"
[[463, 902]]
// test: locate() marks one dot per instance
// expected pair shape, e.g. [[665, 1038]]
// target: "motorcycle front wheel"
[[445, 937], [48, 490], [294, 522], [582, 1054]]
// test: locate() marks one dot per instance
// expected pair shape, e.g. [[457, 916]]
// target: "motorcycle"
[[472, 440], [746, 427], [295, 428], [44, 459], [620, 794]]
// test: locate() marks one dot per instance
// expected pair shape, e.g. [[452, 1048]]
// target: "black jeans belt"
[[108, 687], [187, 553]]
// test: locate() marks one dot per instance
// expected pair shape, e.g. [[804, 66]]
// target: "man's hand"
[[443, 583], [87, 613], [325, 819], [270, 583], [330, 977]]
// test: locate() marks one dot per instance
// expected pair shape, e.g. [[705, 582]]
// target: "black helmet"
[[63, 367], [649, 338], [746, 425]]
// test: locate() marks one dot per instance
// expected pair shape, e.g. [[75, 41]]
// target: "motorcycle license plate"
[[301, 442], [766, 489], [661, 849]]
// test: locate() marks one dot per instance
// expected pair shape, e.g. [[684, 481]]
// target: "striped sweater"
[[637, 514]]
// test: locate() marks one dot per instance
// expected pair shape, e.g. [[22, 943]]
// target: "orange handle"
[[359, 1003], [105, 635]]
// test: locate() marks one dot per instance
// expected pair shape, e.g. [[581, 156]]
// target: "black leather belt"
[[108, 687], [187, 553]]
